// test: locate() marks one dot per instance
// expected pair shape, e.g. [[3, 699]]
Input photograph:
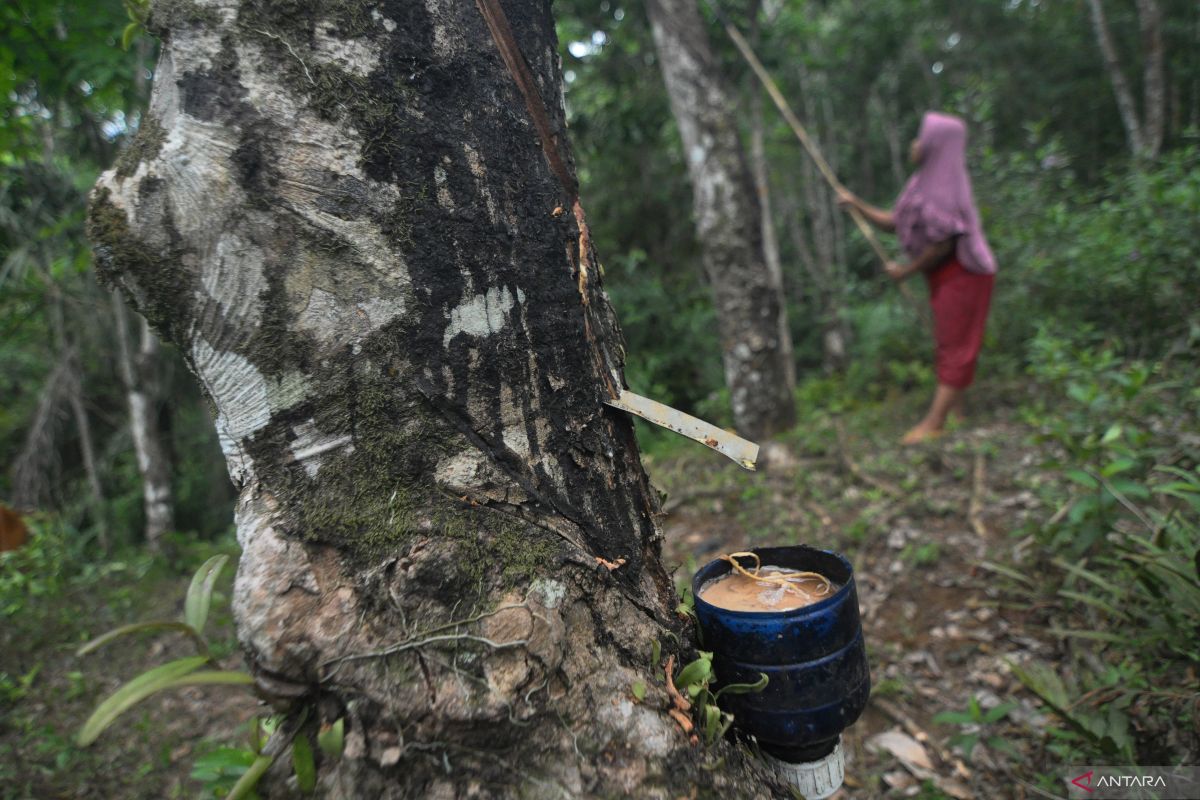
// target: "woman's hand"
[[896, 271], [846, 199]]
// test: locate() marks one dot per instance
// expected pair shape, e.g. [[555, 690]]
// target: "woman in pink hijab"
[[938, 225]]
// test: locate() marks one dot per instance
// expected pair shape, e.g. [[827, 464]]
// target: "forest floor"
[[921, 525], [925, 527]]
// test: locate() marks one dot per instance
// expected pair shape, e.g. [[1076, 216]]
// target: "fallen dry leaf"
[[904, 747]]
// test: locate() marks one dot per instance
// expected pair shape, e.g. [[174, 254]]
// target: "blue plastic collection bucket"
[[813, 656]]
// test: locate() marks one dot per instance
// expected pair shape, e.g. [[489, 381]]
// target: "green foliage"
[[1123, 546], [55, 563], [1110, 257], [977, 726], [693, 682], [180, 672]]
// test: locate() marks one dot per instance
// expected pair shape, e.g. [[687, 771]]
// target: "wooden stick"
[[975, 507], [811, 148]]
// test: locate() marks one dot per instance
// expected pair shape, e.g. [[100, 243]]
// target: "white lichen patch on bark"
[[244, 399], [234, 279], [443, 191], [335, 322], [480, 173], [388, 24], [483, 314], [357, 56], [310, 444], [236, 387], [512, 418], [472, 474]]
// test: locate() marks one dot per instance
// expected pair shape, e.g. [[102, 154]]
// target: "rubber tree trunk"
[[139, 373], [1144, 132], [342, 215], [748, 302]]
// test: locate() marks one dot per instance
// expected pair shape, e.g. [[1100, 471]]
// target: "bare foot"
[[921, 433]]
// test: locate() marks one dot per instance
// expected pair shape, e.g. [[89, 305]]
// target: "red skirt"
[[959, 299]]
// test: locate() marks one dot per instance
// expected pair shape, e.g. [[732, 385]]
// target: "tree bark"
[[1145, 132], [762, 189], [139, 374], [1154, 92], [825, 221], [748, 301], [343, 216]]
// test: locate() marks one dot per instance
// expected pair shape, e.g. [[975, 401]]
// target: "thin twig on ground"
[[857, 471], [978, 488], [910, 725]]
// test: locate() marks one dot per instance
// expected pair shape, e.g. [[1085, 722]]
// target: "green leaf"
[[966, 741], [712, 723], [745, 688], [639, 690], [998, 713], [1112, 434], [303, 764], [137, 627], [129, 34], [1117, 467], [1082, 478], [655, 653], [134, 692], [1096, 636], [696, 673], [249, 780], [1094, 602], [1001, 745], [1007, 572], [953, 718], [331, 738], [199, 594], [220, 677]]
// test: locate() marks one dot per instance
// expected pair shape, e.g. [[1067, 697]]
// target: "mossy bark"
[[347, 224]]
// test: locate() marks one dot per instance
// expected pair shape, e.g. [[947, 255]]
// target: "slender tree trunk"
[[73, 392], [748, 301], [1154, 91], [139, 373], [1126, 104], [344, 218], [762, 188], [87, 445], [825, 222]]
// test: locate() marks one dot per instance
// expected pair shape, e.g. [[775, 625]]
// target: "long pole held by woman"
[[938, 226]]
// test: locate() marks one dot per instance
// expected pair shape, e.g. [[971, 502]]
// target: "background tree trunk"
[[747, 301], [139, 374], [1154, 92], [1144, 132], [343, 217], [762, 188]]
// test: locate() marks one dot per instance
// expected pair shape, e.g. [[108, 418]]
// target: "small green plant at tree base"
[[227, 772], [976, 726], [189, 671], [693, 682]]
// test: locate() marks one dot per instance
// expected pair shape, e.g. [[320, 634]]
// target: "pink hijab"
[[937, 202]]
